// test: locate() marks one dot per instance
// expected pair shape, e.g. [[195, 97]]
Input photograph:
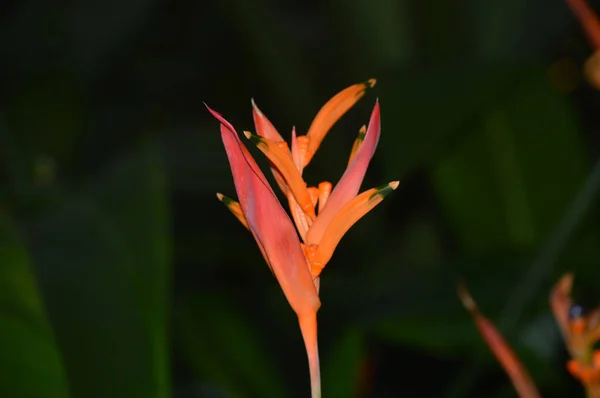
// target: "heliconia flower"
[[581, 332], [296, 256], [517, 373], [591, 24]]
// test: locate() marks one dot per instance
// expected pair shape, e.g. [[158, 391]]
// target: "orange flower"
[[580, 332], [296, 256], [591, 24]]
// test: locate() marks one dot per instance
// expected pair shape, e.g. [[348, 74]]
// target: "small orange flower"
[[591, 24], [580, 332], [321, 215]]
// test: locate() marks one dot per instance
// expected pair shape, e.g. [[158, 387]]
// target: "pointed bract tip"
[[465, 297], [215, 114], [255, 107], [568, 277], [226, 200], [386, 189], [565, 283], [256, 139], [362, 132]]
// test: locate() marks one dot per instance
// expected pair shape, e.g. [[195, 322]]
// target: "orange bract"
[[516, 371]]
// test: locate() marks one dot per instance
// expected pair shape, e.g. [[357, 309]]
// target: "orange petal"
[[348, 186], [264, 127], [592, 69], [361, 137], [574, 367], [286, 167], [588, 19], [593, 319], [521, 380], [314, 195], [331, 112], [299, 148], [300, 219], [560, 302], [234, 208], [324, 192], [347, 217], [269, 223]]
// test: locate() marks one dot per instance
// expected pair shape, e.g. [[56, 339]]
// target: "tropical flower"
[[581, 332], [591, 24], [296, 252]]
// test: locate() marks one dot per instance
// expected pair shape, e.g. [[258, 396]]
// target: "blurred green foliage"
[[121, 275]]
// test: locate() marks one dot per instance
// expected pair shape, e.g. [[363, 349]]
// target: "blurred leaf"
[[524, 148], [99, 31], [46, 114], [225, 348], [192, 151], [343, 369], [376, 35], [421, 112], [435, 333], [103, 265], [27, 36], [535, 26], [422, 309], [30, 363], [280, 64]]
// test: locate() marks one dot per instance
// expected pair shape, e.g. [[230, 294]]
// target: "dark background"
[[121, 275]]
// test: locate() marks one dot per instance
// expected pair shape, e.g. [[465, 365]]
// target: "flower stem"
[[308, 327]]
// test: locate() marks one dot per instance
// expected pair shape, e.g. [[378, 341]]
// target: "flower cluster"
[[296, 252], [580, 332]]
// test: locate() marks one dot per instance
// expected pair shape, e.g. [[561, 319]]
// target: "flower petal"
[[346, 218], [588, 19], [331, 112], [270, 224], [288, 170], [234, 207], [560, 302], [265, 128], [349, 184], [519, 376], [361, 137]]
